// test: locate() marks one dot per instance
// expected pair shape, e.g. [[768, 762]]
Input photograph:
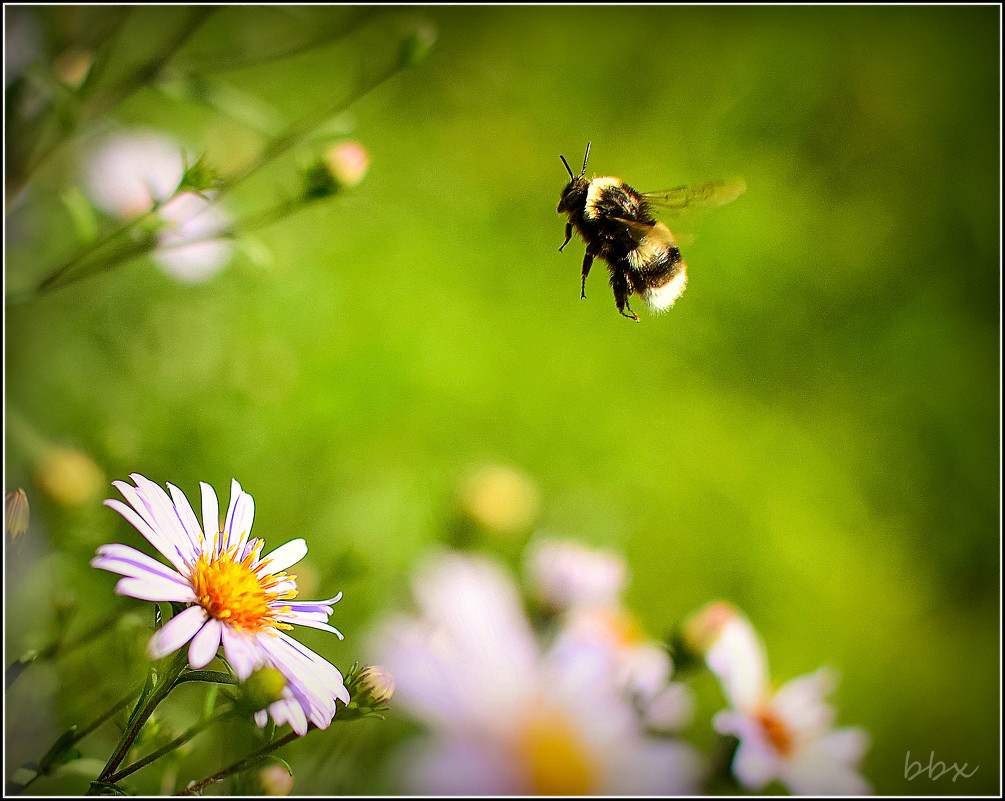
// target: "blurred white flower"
[[785, 734], [564, 573], [195, 220], [506, 716], [130, 172], [586, 586]]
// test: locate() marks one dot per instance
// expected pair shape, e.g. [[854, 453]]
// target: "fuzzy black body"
[[617, 225]]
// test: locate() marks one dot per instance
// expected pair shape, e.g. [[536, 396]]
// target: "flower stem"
[[144, 709], [241, 765], [166, 749], [98, 104]]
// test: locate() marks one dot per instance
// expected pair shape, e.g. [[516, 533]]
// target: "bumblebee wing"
[[706, 195], [648, 236]]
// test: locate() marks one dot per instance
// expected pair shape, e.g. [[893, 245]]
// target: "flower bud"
[[501, 499], [69, 477], [16, 513], [261, 688], [378, 684], [275, 779], [72, 66], [702, 629], [347, 163]]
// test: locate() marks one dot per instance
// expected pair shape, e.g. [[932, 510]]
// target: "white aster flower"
[[237, 597], [786, 734], [506, 716]]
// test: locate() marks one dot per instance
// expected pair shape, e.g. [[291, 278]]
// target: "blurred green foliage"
[[812, 432]]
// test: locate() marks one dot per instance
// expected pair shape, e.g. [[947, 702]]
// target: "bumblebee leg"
[[620, 285], [587, 264], [568, 235]]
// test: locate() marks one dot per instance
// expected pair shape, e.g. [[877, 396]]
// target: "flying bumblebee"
[[618, 226]]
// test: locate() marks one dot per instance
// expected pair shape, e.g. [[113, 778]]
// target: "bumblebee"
[[618, 226]]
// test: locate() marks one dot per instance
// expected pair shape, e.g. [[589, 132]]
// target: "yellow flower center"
[[557, 761], [776, 730], [624, 628], [233, 593]]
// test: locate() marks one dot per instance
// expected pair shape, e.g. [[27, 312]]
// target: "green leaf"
[[62, 751]]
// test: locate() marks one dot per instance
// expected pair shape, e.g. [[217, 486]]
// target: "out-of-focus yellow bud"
[[72, 66], [16, 513], [68, 476], [501, 498]]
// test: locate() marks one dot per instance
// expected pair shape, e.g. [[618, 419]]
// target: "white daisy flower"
[[236, 596], [506, 716], [785, 734]]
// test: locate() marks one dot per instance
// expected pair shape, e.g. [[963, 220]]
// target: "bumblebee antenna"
[[573, 177], [585, 159]]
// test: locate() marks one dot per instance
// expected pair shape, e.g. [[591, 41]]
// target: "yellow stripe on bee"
[[597, 186]]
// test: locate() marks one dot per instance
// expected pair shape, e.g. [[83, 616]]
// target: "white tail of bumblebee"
[[661, 298]]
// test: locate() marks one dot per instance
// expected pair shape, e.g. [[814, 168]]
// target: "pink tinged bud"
[[347, 163], [275, 779], [703, 628]]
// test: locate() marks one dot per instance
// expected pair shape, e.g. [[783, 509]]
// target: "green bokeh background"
[[812, 432]]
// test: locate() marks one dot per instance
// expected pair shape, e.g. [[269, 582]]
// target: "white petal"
[[149, 588], [154, 537], [738, 660], [186, 515], [205, 644], [166, 519], [235, 493], [286, 555], [644, 766], [240, 525], [176, 632], [756, 763], [210, 513], [241, 652], [130, 562]]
